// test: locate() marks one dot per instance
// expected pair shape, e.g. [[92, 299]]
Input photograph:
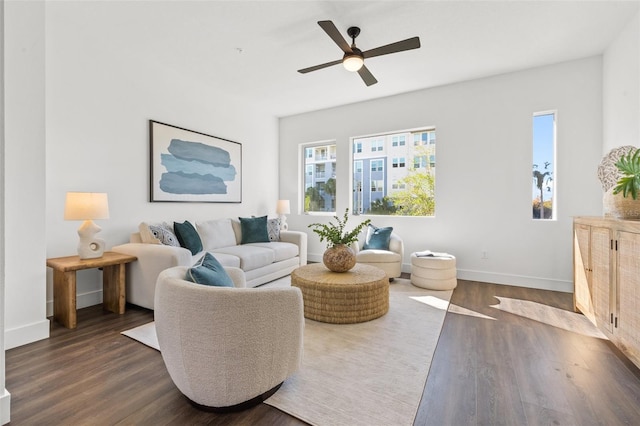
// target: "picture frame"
[[190, 166]]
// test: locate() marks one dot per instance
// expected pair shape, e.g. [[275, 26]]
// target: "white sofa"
[[261, 262]]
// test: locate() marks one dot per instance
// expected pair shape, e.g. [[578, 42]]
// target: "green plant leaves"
[[629, 183], [334, 234]]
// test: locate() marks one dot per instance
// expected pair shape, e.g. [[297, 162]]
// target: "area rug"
[[371, 373]]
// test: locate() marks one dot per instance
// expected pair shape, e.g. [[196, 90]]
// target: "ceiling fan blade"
[[335, 35], [399, 46], [366, 75], [319, 67]]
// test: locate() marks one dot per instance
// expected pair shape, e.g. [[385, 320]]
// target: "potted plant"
[[618, 173], [338, 257], [629, 167], [628, 183]]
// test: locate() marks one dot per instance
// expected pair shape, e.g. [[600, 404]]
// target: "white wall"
[[5, 397], [24, 173], [484, 159], [101, 91], [621, 88]]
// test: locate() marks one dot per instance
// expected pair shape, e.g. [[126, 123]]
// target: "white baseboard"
[[497, 278], [23, 335], [517, 280], [83, 300], [5, 408]]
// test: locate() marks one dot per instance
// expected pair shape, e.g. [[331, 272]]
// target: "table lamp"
[[87, 206], [283, 209]]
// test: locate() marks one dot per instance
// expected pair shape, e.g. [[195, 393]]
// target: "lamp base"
[[90, 247], [284, 226]]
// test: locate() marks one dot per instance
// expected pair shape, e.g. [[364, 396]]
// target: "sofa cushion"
[[251, 256], [208, 271], [225, 259], [216, 233], [281, 250], [188, 236], [158, 233], [377, 238], [254, 230], [273, 229]]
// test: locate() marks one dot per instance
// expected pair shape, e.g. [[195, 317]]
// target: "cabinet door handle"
[[616, 323], [612, 318]]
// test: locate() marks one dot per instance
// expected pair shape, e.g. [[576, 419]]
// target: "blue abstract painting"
[[193, 166]]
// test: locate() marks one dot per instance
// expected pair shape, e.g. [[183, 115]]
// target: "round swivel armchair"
[[388, 259], [227, 348]]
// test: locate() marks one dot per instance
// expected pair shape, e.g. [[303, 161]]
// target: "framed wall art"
[[189, 166]]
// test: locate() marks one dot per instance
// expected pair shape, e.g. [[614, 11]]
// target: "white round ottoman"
[[433, 271]]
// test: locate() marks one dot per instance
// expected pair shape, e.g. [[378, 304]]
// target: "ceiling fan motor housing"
[[353, 32]]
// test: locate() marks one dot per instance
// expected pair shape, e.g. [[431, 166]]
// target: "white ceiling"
[[461, 40]]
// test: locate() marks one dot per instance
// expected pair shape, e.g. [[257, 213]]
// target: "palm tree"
[[542, 180]]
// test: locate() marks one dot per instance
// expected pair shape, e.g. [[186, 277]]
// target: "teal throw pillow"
[[208, 271], [254, 230], [378, 238], [188, 236]]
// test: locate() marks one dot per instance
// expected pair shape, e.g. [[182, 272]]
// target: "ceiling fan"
[[353, 59]]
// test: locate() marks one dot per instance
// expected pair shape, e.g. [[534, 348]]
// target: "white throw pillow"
[[216, 233]]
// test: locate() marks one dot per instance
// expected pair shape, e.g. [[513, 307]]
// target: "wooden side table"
[[64, 283]]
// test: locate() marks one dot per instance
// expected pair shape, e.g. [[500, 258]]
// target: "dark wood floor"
[[490, 367]]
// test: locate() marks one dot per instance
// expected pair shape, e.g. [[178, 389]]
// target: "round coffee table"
[[359, 295]]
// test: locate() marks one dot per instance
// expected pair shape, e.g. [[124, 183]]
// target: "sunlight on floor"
[[443, 305], [432, 301], [566, 320], [455, 309]]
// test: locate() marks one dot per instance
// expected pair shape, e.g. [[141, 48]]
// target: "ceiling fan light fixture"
[[353, 62]]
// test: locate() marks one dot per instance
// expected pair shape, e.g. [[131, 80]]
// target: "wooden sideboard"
[[606, 276]]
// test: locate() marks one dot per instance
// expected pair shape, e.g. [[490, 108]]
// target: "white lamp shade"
[[283, 207], [86, 206]]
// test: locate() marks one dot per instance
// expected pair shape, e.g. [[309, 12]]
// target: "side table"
[[64, 283]]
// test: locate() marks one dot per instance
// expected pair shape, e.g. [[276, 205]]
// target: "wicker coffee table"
[[359, 295]]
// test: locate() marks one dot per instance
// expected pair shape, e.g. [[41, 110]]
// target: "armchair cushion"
[[377, 238], [208, 271]]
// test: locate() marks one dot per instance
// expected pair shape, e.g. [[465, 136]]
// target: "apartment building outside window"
[[395, 177], [320, 177]]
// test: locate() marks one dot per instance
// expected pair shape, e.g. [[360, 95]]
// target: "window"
[[544, 148], [424, 138], [420, 162], [357, 147], [400, 181], [398, 162], [399, 140], [377, 145], [320, 177]]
